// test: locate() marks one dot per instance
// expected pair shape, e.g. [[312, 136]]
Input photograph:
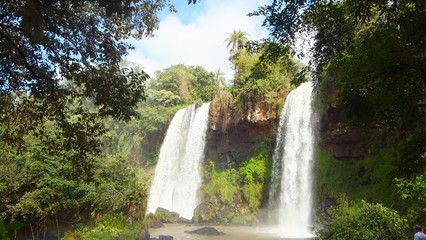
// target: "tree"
[[55, 55], [40, 185], [362, 220], [204, 85], [219, 78], [265, 70], [373, 51], [175, 79], [236, 40], [190, 84]]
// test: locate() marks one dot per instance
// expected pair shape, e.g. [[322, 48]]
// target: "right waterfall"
[[290, 197]]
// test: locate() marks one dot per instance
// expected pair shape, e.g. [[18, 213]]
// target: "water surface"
[[232, 233]]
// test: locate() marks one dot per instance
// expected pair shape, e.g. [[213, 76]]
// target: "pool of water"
[[231, 233]]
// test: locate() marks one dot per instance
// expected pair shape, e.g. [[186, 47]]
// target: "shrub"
[[362, 221], [108, 227]]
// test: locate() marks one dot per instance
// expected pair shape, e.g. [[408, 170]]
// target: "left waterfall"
[[177, 174]]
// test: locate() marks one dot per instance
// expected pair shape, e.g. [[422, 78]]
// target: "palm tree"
[[236, 40], [219, 78]]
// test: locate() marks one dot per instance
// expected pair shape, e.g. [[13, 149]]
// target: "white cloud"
[[202, 40]]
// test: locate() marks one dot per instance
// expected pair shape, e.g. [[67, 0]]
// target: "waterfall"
[[290, 198], [177, 174]]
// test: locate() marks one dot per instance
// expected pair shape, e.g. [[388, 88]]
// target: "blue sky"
[[196, 34]]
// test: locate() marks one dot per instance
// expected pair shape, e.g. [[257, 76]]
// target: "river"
[[231, 233]]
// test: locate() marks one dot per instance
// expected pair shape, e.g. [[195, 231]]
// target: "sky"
[[196, 34]]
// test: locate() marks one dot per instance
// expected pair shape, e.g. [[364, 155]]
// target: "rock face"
[[233, 132], [342, 139]]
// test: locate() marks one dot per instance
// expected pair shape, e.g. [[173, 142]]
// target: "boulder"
[[167, 216], [165, 237], [162, 237], [145, 235], [205, 212], [154, 223], [209, 231], [184, 220]]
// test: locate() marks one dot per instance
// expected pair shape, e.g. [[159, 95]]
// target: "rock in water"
[[209, 231], [165, 237]]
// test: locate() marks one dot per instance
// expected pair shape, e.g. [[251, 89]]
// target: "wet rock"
[[205, 212], [184, 220], [162, 237], [209, 231], [144, 236], [165, 237], [154, 223], [167, 216]]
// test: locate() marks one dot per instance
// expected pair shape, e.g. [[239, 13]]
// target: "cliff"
[[343, 139], [233, 132]]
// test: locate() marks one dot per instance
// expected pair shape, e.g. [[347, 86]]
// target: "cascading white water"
[[177, 174], [291, 187]]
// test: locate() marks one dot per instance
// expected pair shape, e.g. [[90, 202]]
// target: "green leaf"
[[14, 225]]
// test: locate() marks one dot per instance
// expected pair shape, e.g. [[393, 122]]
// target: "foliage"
[[139, 139], [255, 174], [126, 139], [411, 150], [412, 192], [40, 184], [393, 177], [108, 227], [84, 41], [180, 84], [362, 220], [264, 71], [412, 174], [238, 192], [222, 186], [57, 54], [374, 50], [7, 229], [236, 41], [370, 178], [381, 73]]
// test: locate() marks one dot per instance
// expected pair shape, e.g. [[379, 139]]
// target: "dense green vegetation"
[[371, 55], [237, 192], [53, 170], [264, 70], [362, 221], [68, 159], [108, 227], [45, 183], [373, 52], [41, 187], [45, 42]]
